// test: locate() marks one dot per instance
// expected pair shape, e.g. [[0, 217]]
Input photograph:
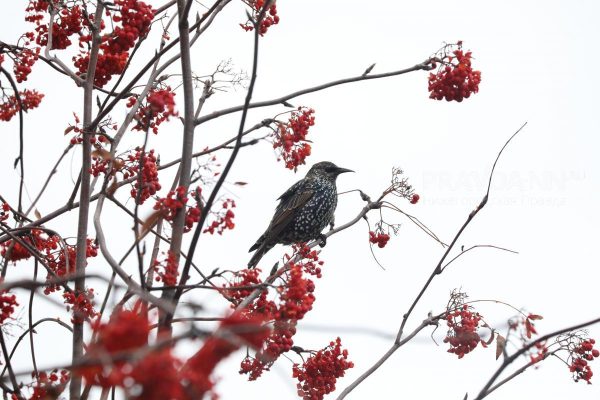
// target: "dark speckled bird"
[[305, 209]]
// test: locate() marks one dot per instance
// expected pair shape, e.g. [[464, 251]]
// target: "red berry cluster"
[[455, 78], [24, 60], [15, 251], [81, 304], [270, 18], [169, 206], [581, 355], [197, 370], [4, 212], [156, 377], [224, 219], [62, 261], [319, 373], [414, 199], [35, 10], [245, 279], [290, 138], [66, 23], [10, 106], [37, 239], [280, 341], [309, 259], [193, 214], [8, 302], [295, 300], [148, 183], [462, 333], [167, 270], [106, 66], [96, 140], [379, 238], [158, 108], [539, 353], [160, 375], [48, 386], [135, 18], [127, 330]]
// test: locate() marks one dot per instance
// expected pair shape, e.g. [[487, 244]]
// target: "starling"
[[304, 210]]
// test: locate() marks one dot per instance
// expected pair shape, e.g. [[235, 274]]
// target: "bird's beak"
[[342, 170]]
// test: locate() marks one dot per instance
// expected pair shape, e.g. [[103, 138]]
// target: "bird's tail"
[[261, 250]]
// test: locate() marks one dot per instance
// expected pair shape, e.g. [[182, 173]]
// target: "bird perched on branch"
[[305, 209]]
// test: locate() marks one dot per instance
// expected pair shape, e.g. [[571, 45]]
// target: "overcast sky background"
[[539, 65]]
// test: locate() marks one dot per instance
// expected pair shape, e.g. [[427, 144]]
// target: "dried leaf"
[[534, 317], [113, 187], [240, 183], [150, 223], [500, 344], [37, 214], [101, 153], [491, 339], [528, 328], [118, 164], [69, 129]]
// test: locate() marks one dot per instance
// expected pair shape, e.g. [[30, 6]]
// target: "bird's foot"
[[323, 239]]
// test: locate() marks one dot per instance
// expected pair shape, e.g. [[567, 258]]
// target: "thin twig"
[[20, 160], [283, 99], [437, 270], [487, 388]]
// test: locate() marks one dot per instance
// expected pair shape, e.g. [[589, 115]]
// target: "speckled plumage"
[[305, 209]]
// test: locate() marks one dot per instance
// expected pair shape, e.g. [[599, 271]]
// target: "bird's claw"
[[323, 240]]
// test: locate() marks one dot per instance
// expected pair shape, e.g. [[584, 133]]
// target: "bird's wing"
[[292, 200]]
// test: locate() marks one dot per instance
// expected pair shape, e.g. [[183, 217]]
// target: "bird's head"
[[326, 169]]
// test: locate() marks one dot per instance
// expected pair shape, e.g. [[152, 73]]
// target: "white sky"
[[538, 64]]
